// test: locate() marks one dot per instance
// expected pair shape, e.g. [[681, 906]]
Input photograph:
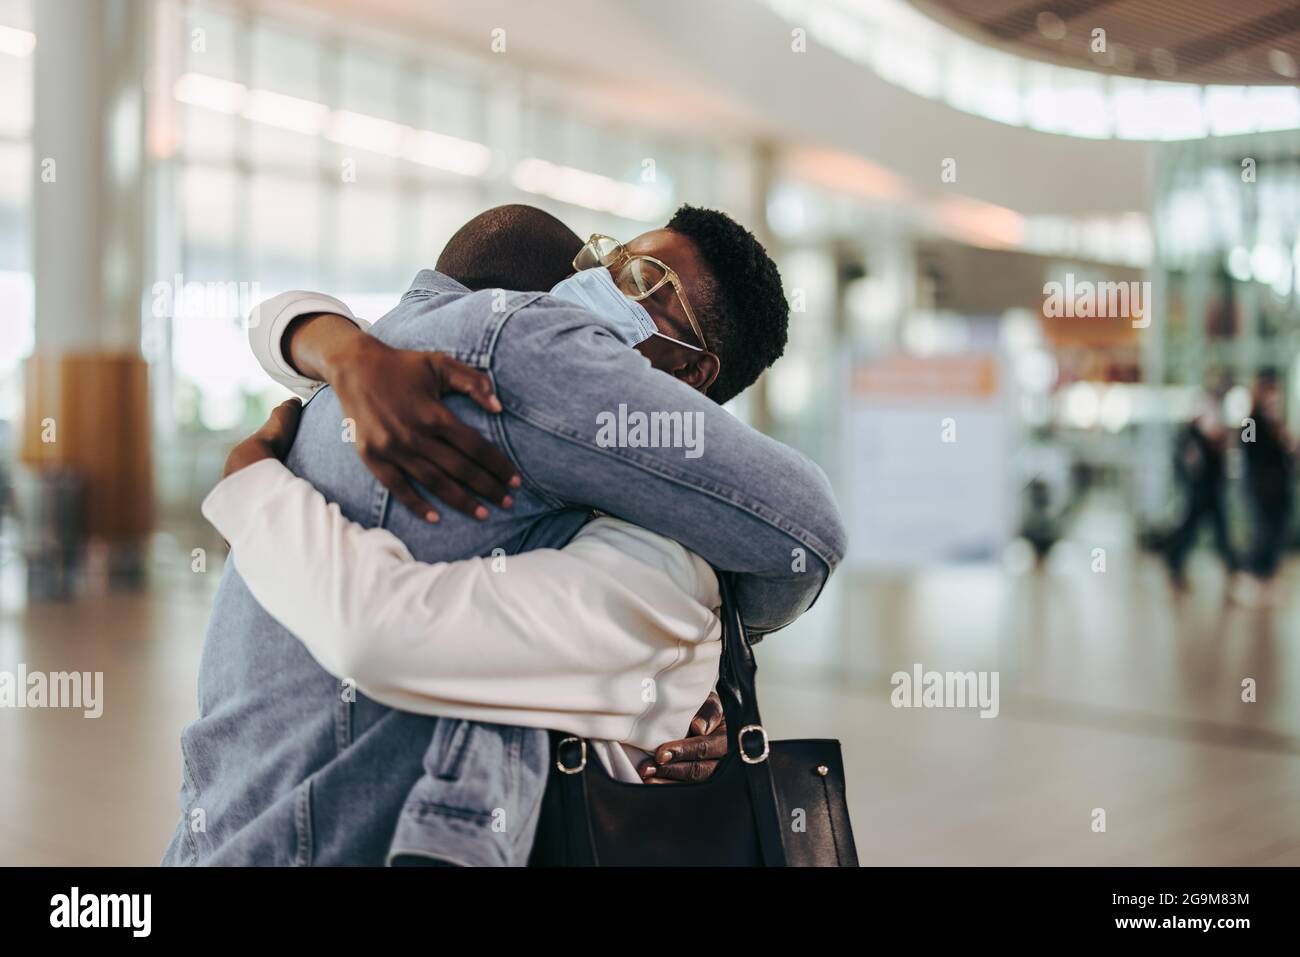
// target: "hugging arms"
[[597, 602], [286, 763]]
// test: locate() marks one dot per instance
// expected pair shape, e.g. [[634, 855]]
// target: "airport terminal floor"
[[1117, 692]]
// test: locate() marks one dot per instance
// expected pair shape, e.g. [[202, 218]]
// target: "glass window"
[[208, 135], [368, 229], [213, 43], [455, 107], [370, 86], [284, 109], [209, 198], [286, 63], [284, 230], [16, 337], [312, 160], [17, 297], [15, 94]]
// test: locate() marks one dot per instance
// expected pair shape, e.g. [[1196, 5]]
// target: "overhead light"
[[592, 190], [1283, 63], [286, 112], [1116, 409], [210, 92], [845, 173], [367, 132], [17, 42], [980, 223], [339, 126], [1164, 62], [449, 153], [1050, 25], [1081, 405], [1268, 263]]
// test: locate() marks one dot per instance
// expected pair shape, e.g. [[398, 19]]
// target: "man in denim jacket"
[[284, 766]]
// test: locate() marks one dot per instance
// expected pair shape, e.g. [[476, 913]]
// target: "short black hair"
[[743, 310], [510, 247]]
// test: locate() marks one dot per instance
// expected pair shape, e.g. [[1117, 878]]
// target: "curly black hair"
[[743, 310]]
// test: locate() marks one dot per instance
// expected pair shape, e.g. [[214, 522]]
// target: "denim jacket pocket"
[[478, 800]]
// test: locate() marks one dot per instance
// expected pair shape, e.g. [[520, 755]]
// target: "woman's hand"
[[695, 757], [404, 432], [272, 441]]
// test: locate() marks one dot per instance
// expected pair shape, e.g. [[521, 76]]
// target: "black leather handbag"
[[768, 803]]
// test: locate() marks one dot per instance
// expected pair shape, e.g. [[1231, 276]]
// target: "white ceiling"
[[725, 67]]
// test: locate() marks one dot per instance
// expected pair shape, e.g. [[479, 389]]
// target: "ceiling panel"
[[1235, 42]]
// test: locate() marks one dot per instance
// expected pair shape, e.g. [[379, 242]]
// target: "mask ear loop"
[[678, 342]]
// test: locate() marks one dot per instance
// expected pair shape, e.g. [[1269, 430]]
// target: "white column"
[[86, 408], [88, 159]]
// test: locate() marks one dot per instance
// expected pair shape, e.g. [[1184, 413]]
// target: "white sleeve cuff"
[[233, 505], [267, 323]]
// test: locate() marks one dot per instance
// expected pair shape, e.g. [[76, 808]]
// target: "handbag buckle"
[[582, 756], [740, 743]]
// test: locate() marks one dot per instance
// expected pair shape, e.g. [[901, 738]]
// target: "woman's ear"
[[699, 370]]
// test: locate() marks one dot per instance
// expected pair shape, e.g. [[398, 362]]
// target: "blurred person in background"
[[1199, 467], [1040, 527], [1049, 498], [1270, 465]]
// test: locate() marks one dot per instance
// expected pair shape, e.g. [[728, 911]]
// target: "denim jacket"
[[285, 765]]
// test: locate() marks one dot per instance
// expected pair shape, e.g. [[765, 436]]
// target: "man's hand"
[[694, 757], [272, 441], [403, 431]]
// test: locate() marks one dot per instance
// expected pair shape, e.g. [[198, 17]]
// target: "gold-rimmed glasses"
[[637, 276]]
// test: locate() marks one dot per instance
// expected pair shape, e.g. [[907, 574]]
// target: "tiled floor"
[[1114, 694]]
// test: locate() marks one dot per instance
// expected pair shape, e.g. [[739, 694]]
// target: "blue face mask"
[[594, 289]]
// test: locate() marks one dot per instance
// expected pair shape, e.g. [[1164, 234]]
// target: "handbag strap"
[[578, 841], [746, 735]]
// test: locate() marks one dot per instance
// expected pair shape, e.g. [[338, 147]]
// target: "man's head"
[[510, 247]]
